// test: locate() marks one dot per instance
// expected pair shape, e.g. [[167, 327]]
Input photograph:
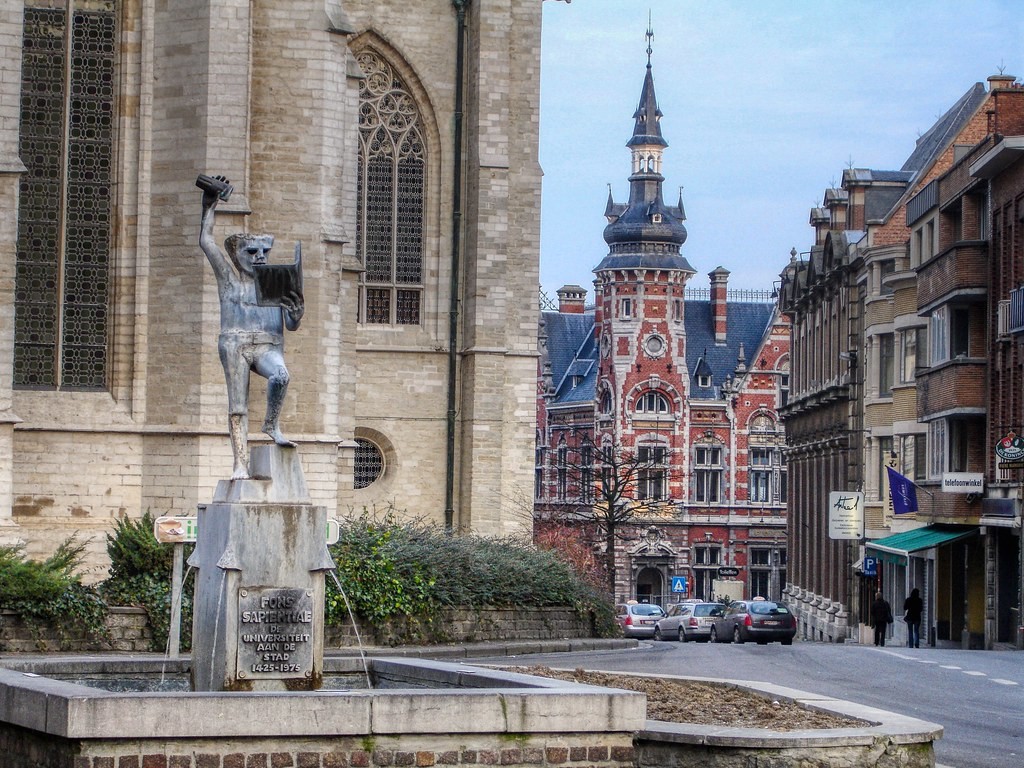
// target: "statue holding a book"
[[258, 301]]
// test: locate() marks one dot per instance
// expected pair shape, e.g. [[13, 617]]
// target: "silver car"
[[688, 621], [638, 619]]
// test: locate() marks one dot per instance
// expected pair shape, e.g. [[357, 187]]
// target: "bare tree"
[[608, 487]]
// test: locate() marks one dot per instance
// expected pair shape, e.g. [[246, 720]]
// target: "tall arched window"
[[391, 191], [64, 212]]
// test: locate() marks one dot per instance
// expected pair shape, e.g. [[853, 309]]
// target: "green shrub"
[[387, 569], [140, 575], [134, 550], [51, 592], [378, 582]]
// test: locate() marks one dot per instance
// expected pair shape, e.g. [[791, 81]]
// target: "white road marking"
[[972, 673]]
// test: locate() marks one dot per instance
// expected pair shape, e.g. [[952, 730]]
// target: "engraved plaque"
[[275, 633]]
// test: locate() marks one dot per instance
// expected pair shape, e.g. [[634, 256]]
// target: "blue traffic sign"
[[679, 584], [870, 566]]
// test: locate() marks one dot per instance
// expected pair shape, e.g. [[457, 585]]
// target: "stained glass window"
[[390, 190], [64, 212]]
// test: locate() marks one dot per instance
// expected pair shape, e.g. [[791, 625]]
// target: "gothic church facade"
[[396, 141]]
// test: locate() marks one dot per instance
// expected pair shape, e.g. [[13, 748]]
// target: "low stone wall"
[[127, 630], [465, 625], [444, 715], [886, 740], [349, 752]]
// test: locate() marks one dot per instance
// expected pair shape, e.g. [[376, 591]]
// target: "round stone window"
[[654, 346], [369, 463]]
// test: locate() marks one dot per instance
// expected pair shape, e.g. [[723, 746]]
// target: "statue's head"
[[246, 250]]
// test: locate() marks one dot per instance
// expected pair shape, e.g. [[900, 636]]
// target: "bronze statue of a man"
[[251, 334]]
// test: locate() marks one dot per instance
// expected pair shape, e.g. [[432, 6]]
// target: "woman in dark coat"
[[881, 617], [912, 608]]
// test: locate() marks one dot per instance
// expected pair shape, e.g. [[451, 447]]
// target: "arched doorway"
[[650, 586]]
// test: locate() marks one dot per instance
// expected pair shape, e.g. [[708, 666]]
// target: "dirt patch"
[[685, 701]]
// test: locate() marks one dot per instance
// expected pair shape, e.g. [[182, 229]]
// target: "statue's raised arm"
[[251, 331]]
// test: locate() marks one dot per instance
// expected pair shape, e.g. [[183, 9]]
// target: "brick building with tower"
[[658, 405]]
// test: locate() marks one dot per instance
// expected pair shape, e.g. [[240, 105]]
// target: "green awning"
[[902, 544]]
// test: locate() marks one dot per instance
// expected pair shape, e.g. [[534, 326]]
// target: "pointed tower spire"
[[647, 129], [645, 231]]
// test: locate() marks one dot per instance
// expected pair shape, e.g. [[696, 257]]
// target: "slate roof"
[[746, 325], [647, 128], [945, 129], [878, 201], [572, 351], [645, 261]]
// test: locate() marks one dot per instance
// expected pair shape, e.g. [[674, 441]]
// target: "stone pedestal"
[[261, 556]]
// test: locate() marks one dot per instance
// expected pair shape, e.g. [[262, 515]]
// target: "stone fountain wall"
[[444, 715]]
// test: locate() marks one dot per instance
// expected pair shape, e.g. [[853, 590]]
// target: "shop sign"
[[846, 515], [963, 482], [1010, 450]]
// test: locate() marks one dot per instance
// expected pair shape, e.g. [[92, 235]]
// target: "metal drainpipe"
[[453, 302]]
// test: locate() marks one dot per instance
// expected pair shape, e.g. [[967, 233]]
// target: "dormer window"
[[704, 381], [656, 218]]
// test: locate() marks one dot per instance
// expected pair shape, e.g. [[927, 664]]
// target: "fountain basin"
[[419, 713]]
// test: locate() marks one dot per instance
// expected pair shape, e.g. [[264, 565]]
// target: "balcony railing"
[[1015, 321]]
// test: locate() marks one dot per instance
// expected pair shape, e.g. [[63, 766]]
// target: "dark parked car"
[[760, 620], [638, 619], [688, 621]]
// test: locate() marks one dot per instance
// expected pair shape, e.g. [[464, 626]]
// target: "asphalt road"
[[977, 696]]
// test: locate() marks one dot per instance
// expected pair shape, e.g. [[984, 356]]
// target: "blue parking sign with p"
[[679, 584]]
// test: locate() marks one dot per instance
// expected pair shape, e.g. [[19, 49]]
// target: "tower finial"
[[650, 34]]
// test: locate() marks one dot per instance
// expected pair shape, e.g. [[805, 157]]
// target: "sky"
[[765, 103]]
